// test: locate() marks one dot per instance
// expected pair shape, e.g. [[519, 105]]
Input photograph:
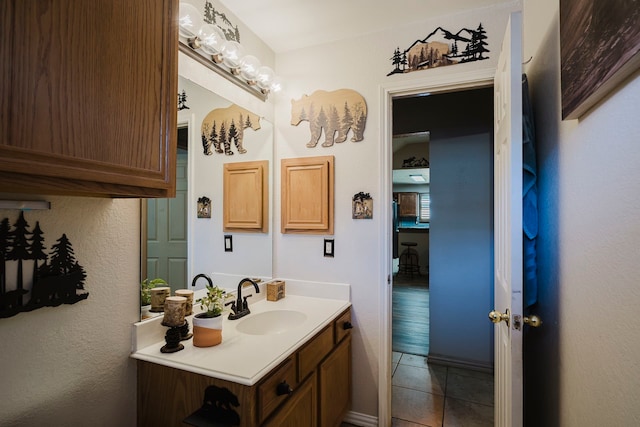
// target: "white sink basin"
[[271, 322]]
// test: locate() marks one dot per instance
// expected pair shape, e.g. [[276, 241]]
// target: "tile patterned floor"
[[426, 395], [439, 396]]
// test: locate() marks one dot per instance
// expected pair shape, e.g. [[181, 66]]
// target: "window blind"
[[425, 207]]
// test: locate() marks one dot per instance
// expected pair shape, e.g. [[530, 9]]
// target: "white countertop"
[[244, 358]]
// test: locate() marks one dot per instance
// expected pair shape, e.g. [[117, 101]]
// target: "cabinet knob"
[[283, 388], [347, 325]]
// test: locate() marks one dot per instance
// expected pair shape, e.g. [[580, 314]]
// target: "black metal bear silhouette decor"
[[55, 281]]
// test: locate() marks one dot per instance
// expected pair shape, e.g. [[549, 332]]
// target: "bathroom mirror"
[[184, 236]]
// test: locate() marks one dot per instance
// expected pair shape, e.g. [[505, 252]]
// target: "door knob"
[[533, 321], [497, 317]]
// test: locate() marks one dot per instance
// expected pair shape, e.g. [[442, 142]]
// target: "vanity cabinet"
[[312, 387], [300, 409], [408, 204], [89, 97], [334, 379]]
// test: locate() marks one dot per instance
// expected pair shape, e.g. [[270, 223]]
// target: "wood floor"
[[410, 319]]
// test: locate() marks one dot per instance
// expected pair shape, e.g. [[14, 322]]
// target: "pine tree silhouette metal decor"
[[182, 100], [212, 16], [59, 279], [440, 48]]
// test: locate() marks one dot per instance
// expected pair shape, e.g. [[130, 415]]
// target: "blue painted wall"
[[461, 249]]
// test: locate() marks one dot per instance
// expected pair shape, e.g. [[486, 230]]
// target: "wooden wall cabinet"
[[307, 195], [88, 97], [246, 196], [319, 374], [408, 204]]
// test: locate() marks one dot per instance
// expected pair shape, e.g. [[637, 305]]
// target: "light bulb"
[[189, 21], [232, 52], [276, 85], [211, 39], [265, 77], [249, 65]]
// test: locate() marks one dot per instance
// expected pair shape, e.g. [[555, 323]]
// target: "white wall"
[[69, 365], [360, 64], [582, 364]]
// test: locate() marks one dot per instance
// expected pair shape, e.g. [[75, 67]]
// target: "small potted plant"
[[207, 326], [145, 294]]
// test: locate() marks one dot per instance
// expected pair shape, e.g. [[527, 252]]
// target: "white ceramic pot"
[[207, 331], [145, 312]]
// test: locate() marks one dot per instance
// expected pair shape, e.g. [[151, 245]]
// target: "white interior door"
[[508, 227]]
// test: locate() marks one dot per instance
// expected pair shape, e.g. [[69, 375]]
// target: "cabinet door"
[[89, 96], [408, 204], [269, 394], [166, 396], [246, 196], [335, 385], [307, 195], [314, 351], [300, 409]]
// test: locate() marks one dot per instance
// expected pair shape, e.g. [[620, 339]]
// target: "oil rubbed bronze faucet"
[[240, 307], [207, 278]]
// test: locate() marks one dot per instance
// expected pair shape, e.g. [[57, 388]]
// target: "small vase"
[[158, 295], [207, 331]]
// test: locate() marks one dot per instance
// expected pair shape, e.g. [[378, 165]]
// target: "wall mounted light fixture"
[[207, 44], [25, 205]]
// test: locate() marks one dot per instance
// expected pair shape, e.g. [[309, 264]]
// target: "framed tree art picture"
[[599, 49]]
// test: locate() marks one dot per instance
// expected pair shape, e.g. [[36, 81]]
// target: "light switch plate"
[[328, 248]]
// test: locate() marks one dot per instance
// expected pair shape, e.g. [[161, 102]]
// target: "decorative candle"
[[174, 311], [188, 294], [158, 295]]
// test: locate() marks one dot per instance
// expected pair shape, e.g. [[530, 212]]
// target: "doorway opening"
[[411, 207], [166, 227], [443, 266]]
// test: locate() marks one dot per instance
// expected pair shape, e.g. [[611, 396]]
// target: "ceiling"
[[403, 176], [286, 25], [401, 140]]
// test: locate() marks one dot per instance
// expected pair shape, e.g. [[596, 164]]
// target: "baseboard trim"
[[460, 363], [361, 420]]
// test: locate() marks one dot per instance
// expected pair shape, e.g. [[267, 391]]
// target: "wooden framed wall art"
[[599, 48]]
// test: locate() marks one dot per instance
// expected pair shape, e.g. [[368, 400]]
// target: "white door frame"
[[445, 83], [192, 137]]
